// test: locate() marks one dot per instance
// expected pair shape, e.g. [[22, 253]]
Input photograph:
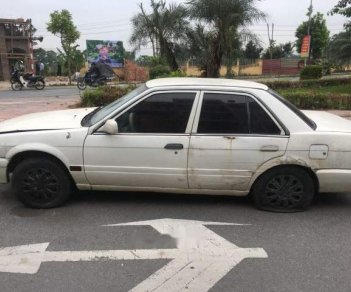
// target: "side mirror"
[[110, 127]]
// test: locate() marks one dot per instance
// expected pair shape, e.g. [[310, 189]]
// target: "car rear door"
[[233, 135], [151, 148]]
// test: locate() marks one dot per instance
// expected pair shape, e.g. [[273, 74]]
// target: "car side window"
[[260, 121], [223, 114], [160, 113], [234, 114]]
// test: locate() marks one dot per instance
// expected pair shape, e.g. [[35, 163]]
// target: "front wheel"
[[284, 189], [16, 86], [40, 84], [81, 84], [41, 183]]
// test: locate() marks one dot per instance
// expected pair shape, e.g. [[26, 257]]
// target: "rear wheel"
[[284, 189], [40, 84], [41, 183]]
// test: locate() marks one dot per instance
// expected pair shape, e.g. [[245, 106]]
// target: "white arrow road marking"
[[200, 260], [26, 259], [206, 256]]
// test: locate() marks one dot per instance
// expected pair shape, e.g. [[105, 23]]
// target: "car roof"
[[188, 81]]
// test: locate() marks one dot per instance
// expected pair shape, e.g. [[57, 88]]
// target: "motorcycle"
[[91, 80], [20, 80], [99, 74]]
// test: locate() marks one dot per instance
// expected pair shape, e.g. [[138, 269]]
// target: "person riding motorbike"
[[98, 74]]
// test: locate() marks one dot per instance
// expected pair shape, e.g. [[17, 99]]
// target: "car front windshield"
[[108, 109]]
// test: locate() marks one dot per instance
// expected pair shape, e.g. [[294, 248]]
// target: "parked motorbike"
[[19, 81]]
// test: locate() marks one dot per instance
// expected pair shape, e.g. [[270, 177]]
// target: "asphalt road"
[[307, 251], [17, 103], [56, 91]]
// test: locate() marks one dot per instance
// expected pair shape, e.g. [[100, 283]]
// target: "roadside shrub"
[[104, 95], [178, 73], [159, 71], [307, 83], [319, 101], [311, 72]]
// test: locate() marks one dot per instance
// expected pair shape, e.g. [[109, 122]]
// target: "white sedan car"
[[180, 135]]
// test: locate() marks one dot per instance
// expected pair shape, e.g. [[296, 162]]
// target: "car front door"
[[233, 135], [151, 147]]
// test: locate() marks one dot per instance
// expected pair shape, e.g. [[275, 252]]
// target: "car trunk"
[[327, 122]]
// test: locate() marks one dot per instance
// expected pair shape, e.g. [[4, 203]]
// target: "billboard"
[[109, 52], [305, 47]]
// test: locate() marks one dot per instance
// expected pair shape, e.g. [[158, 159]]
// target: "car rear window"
[[293, 108]]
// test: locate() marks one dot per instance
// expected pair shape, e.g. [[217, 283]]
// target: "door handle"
[[269, 148], [174, 147]]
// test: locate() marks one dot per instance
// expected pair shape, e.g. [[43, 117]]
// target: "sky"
[[110, 19]]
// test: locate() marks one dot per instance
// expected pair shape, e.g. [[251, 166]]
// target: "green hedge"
[[103, 95], [319, 101], [311, 72], [307, 83], [159, 71]]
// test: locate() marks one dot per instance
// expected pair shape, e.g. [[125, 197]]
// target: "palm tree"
[[142, 33], [339, 49], [224, 19], [163, 28]]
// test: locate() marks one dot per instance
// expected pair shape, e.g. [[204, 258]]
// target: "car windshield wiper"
[[85, 121]]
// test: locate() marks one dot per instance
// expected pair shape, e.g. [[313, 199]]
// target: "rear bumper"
[[334, 180], [3, 172]]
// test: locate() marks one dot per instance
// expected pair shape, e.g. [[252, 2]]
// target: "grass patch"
[[321, 97], [344, 89]]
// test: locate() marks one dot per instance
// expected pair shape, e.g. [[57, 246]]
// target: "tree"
[[198, 40], [343, 8], [279, 51], [163, 28], [319, 35], [252, 50], [150, 61], [61, 25], [49, 58], [339, 49], [222, 20]]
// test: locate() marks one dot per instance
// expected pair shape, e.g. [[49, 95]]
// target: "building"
[[15, 44]]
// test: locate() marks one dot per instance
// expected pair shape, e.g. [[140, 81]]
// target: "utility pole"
[[271, 44], [310, 11]]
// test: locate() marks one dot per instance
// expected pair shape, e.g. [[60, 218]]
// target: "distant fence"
[[284, 66]]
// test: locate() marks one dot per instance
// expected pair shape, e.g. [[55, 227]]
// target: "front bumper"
[[3, 173]]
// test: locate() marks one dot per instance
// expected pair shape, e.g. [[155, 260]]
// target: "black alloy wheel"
[[284, 189], [41, 183]]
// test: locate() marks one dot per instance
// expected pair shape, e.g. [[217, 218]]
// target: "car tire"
[[41, 183], [284, 189]]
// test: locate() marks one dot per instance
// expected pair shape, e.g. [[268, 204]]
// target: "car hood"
[[52, 120], [327, 122]]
